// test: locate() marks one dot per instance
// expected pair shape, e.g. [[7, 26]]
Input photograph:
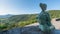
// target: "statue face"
[[43, 6]]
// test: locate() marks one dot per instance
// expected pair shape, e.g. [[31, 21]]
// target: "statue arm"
[[49, 19], [39, 18]]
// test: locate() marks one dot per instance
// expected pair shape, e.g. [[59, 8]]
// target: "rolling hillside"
[[54, 13], [25, 19], [19, 18]]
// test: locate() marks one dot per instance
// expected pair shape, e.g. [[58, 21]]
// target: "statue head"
[[43, 6]]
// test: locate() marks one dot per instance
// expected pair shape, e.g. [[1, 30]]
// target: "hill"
[[25, 19], [5, 16], [54, 13]]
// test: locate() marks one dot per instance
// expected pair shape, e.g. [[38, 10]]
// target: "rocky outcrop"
[[27, 30], [12, 31], [36, 30]]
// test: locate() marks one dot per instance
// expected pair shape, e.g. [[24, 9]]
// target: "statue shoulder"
[[47, 13], [40, 14]]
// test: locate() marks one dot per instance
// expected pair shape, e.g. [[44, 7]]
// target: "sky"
[[26, 6]]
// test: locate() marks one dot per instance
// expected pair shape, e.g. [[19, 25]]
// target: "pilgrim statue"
[[44, 19]]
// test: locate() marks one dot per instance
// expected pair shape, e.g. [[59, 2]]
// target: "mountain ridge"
[[5, 16]]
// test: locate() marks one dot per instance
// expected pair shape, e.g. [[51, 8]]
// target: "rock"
[[27, 30], [12, 31], [36, 30], [31, 30], [58, 19], [4, 32]]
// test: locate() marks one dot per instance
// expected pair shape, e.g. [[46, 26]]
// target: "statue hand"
[[52, 27]]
